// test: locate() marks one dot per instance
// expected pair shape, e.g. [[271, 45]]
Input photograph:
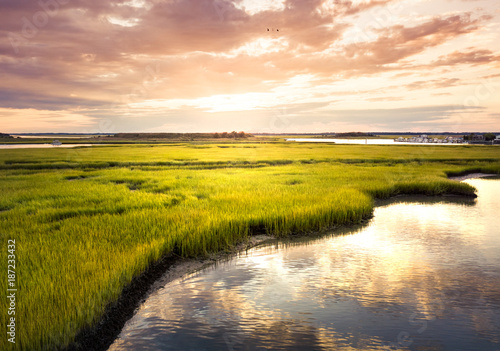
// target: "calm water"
[[420, 276], [362, 141], [38, 146]]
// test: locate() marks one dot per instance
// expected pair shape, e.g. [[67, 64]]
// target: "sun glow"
[[262, 46], [129, 22], [255, 6]]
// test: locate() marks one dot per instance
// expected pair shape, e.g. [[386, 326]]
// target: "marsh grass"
[[87, 222]]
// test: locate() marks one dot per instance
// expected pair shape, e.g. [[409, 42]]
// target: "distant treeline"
[[2, 135], [354, 134], [184, 136]]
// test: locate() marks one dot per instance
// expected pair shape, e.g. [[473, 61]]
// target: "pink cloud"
[[473, 57]]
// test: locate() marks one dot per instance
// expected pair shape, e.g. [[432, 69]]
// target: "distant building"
[[425, 139], [56, 143]]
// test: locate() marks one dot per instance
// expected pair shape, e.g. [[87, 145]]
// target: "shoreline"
[[472, 176], [169, 268]]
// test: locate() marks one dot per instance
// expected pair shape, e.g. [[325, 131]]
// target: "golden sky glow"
[[254, 65]]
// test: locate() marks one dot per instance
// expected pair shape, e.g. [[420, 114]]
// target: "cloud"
[[435, 83], [80, 55], [427, 118], [473, 57], [38, 120], [491, 76], [399, 42], [388, 52], [45, 101]]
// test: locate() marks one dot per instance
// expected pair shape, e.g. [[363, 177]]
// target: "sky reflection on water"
[[419, 276], [40, 146]]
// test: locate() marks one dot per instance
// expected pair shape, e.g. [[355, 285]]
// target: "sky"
[[275, 66]]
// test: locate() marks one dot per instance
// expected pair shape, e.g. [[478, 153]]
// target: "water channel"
[[40, 146], [423, 274], [364, 141]]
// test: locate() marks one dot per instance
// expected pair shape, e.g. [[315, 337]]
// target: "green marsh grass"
[[87, 221]]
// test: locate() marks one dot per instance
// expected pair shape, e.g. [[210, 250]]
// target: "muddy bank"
[[170, 267]]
